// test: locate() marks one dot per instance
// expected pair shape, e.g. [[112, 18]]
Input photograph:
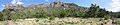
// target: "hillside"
[[56, 9], [58, 12]]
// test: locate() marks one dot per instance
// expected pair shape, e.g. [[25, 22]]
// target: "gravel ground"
[[10, 22]]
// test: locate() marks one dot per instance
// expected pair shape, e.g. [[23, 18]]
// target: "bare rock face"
[[58, 4], [10, 6], [51, 5]]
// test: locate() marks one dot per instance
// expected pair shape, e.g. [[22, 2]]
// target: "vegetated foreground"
[[118, 21], [62, 21]]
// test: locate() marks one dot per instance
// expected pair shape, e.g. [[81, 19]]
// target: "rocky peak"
[[8, 6], [58, 4], [11, 7]]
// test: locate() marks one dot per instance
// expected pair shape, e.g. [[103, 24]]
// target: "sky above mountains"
[[110, 5]]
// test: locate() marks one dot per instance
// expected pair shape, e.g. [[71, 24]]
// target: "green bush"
[[51, 18], [15, 17], [4, 18], [118, 22], [1, 17], [107, 17]]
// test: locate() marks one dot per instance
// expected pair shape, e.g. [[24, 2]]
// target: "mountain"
[[56, 9], [54, 5]]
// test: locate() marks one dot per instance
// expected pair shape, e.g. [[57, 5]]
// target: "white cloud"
[[13, 1], [115, 6], [19, 3], [16, 2], [3, 5]]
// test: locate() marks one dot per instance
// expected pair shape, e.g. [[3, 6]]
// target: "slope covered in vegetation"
[[56, 9]]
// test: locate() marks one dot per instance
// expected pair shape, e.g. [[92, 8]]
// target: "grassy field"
[[118, 21], [3, 22], [60, 21]]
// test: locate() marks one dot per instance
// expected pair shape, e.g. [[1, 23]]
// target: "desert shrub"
[[63, 13], [55, 13], [15, 17], [107, 17], [1, 17], [51, 18], [4, 18], [118, 22], [40, 15], [37, 20]]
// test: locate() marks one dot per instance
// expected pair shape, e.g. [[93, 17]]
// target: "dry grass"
[[60, 21], [3, 22]]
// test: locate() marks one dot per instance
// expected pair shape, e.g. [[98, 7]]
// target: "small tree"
[[63, 13], [107, 15]]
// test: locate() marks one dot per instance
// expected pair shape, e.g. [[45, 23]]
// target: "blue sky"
[[86, 3]]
